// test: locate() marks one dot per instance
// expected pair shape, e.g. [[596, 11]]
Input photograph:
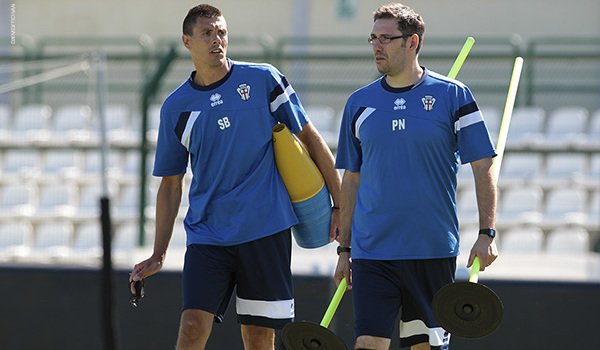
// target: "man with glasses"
[[401, 140]]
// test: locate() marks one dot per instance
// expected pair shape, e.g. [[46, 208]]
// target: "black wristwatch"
[[341, 249], [488, 231]]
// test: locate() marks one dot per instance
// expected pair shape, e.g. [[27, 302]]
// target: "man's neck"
[[206, 75], [407, 77]]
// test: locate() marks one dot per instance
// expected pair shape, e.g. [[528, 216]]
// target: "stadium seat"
[[519, 205], [527, 126], [56, 200], [325, 120], [16, 239], [53, 239], [92, 163], [88, 238], [566, 125], [568, 241], [126, 204], [178, 240], [521, 168], [493, 121], [465, 176], [565, 205], [22, 162], [468, 237], [71, 120], [153, 122], [126, 237], [593, 211], [522, 240], [17, 200], [593, 133], [5, 118], [563, 168], [63, 162], [466, 205], [15, 233], [32, 123], [88, 205]]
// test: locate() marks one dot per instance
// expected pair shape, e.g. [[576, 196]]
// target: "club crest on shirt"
[[244, 91], [428, 102]]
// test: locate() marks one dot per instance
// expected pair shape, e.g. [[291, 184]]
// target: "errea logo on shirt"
[[216, 100]]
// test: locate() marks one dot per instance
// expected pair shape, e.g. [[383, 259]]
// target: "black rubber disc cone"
[[468, 310], [304, 335]]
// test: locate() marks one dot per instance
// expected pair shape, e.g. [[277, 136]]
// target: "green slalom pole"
[[462, 56], [337, 297]]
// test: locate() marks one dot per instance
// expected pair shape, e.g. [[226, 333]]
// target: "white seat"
[[88, 204], [16, 239], [15, 233], [565, 166], [53, 239], [72, 118], [566, 124], [518, 205], [92, 163], [465, 176], [26, 162], [126, 236], [131, 162], [32, 118], [88, 237], [468, 237], [526, 125], [127, 202], [565, 205], [593, 211], [522, 240], [521, 167], [568, 241], [17, 200], [66, 162], [57, 199], [5, 117], [593, 133], [324, 119], [493, 120], [466, 205], [179, 238]]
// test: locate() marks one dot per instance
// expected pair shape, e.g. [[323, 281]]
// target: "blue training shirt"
[[406, 145], [224, 131]]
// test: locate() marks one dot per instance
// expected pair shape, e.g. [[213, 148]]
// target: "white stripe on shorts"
[[278, 309], [437, 336]]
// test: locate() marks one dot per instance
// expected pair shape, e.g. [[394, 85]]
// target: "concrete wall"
[[59, 309], [159, 18]]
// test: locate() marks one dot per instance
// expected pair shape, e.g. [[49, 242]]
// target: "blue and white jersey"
[[224, 132], [407, 144]]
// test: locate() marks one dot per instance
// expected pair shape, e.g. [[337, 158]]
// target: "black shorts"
[[382, 289], [259, 271]]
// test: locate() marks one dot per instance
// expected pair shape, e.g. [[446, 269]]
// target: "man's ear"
[[186, 40]]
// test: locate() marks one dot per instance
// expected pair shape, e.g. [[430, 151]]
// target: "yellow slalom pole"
[[462, 56], [507, 116], [501, 146]]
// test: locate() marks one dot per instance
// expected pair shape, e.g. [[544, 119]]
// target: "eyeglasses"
[[384, 39]]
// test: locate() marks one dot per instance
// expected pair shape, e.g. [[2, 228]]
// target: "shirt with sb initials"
[[224, 132]]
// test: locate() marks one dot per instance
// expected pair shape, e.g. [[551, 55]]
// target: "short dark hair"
[[203, 10], [409, 21]]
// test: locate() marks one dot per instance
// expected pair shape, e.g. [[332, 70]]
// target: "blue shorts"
[[382, 289], [259, 271]]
